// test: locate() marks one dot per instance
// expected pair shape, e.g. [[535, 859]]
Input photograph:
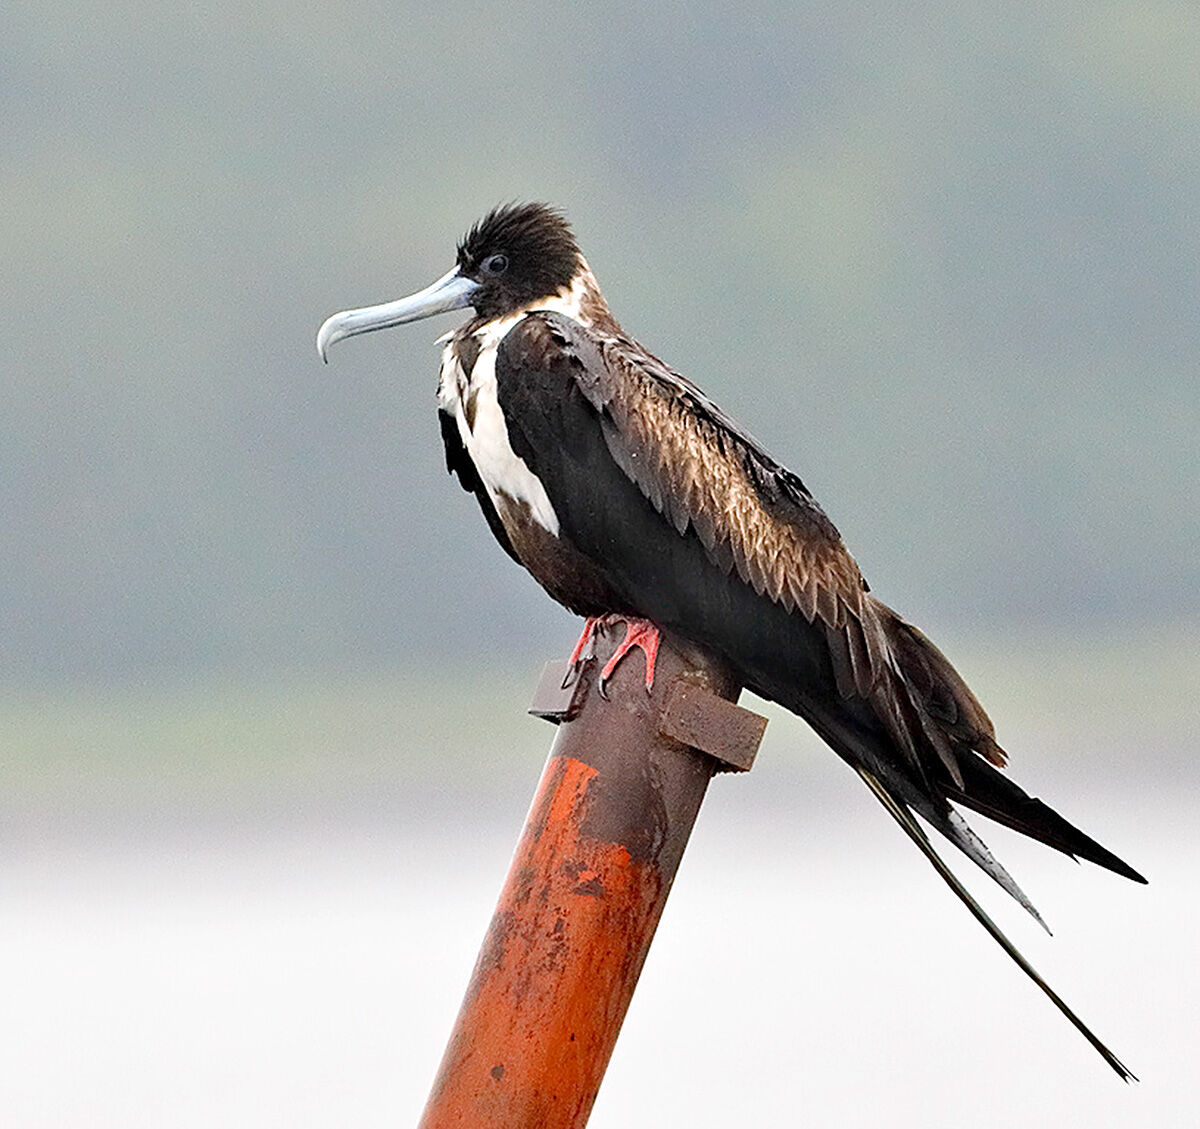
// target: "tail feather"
[[913, 830], [922, 742], [994, 795], [952, 728], [959, 832], [865, 755]]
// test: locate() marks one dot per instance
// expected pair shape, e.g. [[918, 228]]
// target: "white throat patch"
[[485, 436]]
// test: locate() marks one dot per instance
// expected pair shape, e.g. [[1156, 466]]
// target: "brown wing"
[[753, 516]]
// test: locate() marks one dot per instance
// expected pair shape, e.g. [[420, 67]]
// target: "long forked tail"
[[991, 793], [914, 831], [930, 710]]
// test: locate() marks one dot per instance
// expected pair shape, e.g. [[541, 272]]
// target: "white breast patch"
[[503, 472]]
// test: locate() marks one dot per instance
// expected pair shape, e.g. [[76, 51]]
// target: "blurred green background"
[[941, 259]]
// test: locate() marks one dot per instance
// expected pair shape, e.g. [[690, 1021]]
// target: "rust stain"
[[491, 953], [591, 888], [630, 812], [586, 881], [587, 886], [535, 824], [557, 972]]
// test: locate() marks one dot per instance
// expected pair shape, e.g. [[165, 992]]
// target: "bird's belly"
[[562, 570]]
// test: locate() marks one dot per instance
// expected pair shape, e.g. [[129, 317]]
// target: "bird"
[[633, 499]]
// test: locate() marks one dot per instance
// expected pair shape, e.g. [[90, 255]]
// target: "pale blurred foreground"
[[260, 908]]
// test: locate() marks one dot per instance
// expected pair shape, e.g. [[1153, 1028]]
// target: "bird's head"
[[517, 257]]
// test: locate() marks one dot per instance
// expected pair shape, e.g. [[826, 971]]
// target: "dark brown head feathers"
[[518, 253]]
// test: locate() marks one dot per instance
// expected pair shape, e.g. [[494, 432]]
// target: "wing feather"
[[696, 467], [757, 521]]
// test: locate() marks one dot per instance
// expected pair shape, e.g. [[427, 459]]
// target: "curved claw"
[[639, 633]]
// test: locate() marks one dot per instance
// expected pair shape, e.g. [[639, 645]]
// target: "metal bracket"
[[554, 702], [693, 716], [697, 717]]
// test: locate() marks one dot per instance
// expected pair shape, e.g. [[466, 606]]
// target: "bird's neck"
[[581, 301]]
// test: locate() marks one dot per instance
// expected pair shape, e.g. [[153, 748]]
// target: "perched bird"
[[629, 495]]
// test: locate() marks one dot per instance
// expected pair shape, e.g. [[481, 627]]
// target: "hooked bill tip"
[[327, 335]]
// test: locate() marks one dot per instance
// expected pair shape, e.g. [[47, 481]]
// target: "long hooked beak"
[[452, 291]]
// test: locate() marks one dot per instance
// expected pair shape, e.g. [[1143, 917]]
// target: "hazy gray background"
[[261, 667]]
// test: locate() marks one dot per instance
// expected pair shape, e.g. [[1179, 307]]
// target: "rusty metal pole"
[[591, 874]]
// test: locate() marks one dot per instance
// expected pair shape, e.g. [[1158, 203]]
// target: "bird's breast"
[[467, 389]]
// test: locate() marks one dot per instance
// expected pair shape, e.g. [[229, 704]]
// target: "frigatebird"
[[631, 497]]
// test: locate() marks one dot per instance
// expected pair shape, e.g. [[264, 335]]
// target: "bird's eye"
[[495, 264]]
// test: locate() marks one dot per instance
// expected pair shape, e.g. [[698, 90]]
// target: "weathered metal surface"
[[558, 697], [695, 716], [587, 886]]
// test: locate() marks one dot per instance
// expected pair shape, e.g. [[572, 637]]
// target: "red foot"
[[638, 633]]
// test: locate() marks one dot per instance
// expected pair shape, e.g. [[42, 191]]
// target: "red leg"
[[589, 631], [575, 662]]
